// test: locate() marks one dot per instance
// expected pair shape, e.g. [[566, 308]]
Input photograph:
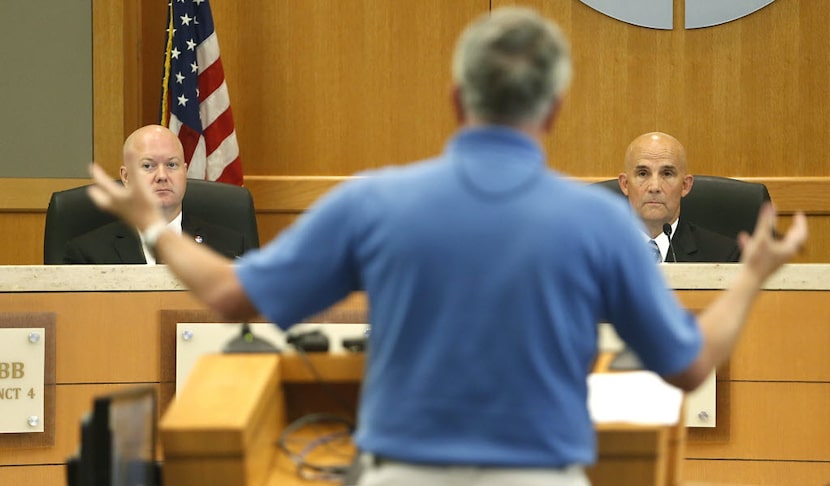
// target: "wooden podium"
[[223, 426]]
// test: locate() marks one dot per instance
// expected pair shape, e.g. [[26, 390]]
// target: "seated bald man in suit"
[[154, 153], [655, 179]]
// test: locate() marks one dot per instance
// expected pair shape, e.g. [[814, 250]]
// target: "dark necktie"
[[655, 251]]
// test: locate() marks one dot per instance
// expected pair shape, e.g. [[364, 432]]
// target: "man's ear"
[[622, 179], [457, 105], [688, 182], [123, 172], [547, 123]]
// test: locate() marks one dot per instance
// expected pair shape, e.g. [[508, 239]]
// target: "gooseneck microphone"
[[667, 232]]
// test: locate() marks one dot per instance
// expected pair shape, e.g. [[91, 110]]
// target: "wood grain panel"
[[785, 338], [111, 63], [756, 473], [22, 243], [775, 421], [38, 475], [104, 337]]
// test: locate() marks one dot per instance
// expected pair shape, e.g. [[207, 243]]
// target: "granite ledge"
[[146, 278], [88, 278]]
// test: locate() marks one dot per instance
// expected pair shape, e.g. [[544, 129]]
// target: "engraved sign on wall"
[[22, 372]]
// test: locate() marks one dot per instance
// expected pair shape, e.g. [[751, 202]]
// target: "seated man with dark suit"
[[655, 179], [154, 153]]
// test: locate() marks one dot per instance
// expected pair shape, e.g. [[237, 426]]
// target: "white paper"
[[637, 397]]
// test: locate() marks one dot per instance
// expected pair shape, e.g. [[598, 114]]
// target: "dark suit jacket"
[[693, 243], [117, 243]]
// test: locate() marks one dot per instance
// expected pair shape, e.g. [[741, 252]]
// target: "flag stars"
[[179, 78], [198, 2], [194, 67], [182, 100], [185, 19], [191, 45], [175, 53]]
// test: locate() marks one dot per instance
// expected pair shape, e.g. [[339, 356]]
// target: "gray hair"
[[510, 66]]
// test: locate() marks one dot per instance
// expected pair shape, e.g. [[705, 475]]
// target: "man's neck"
[[656, 229], [171, 214]]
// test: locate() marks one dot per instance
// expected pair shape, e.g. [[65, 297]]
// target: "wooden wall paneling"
[[270, 225], [812, 64], [330, 87], [110, 65], [323, 88], [150, 58], [818, 245], [740, 103], [23, 241]]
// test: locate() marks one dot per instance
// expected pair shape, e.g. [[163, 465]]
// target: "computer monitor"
[[118, 440]]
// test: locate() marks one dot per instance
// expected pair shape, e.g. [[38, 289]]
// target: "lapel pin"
[[199, 239]]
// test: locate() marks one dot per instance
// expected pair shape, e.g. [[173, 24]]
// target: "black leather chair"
[[72, 213], [726, 206]]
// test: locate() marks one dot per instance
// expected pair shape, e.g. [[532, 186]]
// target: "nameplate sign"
[[22, 373]]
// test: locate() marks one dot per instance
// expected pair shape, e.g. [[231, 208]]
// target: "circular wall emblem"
[[658, 14]]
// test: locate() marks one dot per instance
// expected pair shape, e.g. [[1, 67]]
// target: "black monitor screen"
[[118, 441]]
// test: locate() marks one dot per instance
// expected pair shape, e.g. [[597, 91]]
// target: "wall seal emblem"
[[658, 14]]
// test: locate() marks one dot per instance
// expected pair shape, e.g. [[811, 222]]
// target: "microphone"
[[247, 342], [667, 232]]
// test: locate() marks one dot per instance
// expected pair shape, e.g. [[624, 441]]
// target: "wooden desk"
[[215, 434], [773, 425]]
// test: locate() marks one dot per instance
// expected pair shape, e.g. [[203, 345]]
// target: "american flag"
[[195, 103]]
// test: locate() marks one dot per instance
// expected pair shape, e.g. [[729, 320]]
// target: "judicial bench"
[[114, 327]]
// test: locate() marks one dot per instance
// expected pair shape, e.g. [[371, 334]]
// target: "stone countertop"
[[144, 278], [87, 278]]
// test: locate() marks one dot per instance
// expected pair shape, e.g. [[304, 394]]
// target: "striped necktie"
[[655, 250]]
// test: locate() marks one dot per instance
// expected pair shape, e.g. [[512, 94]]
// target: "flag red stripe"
[[190, 139], [210, 79], [218, 131], [232, 173]]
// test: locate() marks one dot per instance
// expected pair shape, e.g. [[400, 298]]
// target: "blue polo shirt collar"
[[496, 160]]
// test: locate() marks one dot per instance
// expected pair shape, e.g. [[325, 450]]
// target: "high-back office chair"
[[723, 205], [72, 213]]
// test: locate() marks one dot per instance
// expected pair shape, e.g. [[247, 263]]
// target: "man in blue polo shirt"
[[486, 273]]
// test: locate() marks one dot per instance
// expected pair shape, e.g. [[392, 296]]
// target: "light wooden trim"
[[294, 194], [110, 67], [31, 194]]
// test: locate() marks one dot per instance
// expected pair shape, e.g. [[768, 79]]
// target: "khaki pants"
[[394, 473]]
